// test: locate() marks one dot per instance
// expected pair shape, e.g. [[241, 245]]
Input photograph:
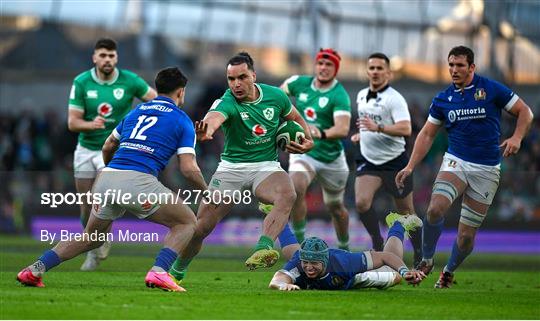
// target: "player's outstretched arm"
[[396, 263], [191, 171], [524, 120], [205, 129], [282, 282], [77, 124], [109, 148], [422, 145]]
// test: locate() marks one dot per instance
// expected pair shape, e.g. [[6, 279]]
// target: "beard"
[[107, 70]]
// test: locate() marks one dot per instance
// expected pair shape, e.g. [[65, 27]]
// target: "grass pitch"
[[489, 287]]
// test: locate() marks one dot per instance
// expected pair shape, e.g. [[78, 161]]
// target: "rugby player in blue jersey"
[[313, 266], [470, 110], [136, 151]]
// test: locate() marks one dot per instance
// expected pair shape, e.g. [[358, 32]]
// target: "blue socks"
[[456, 258], [165, 258], [286, 237], [430, 237], [396, 230], [49, 259]]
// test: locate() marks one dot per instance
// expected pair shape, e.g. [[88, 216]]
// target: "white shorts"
[[332, 176], [482, 180], [242, 176], [87, 162], [380, 278], [146, 194]]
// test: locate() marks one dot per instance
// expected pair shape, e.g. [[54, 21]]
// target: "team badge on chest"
[[323, 101], [480, 94], [118, 93], [268, 113]]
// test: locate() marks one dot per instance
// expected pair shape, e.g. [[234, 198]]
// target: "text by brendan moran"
[[119, 236]]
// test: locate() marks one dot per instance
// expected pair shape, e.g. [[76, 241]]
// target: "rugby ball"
[[289, 131]]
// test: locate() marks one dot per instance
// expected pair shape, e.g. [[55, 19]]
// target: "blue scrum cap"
[[314, 249]]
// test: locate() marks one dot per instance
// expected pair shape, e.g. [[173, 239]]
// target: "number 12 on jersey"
[[137, 133]]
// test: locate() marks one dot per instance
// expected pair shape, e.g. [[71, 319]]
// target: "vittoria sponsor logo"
[[466, 114], [105, 109], [452, 116], [258, 130]]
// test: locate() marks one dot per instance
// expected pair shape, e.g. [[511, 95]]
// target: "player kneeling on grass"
[[312, 265], [137, 150]]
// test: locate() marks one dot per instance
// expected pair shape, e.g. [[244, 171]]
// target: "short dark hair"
[[242, 58], [169, 80], [462, 51], [380, 55], [106, 43]]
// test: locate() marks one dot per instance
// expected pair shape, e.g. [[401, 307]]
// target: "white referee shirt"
[[388, 108]]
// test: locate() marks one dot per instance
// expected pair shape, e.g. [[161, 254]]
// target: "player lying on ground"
[[312, 265], [137, 150]]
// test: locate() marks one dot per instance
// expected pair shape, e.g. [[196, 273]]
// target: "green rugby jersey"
[[250, 127], [318, 107], [111, 99]]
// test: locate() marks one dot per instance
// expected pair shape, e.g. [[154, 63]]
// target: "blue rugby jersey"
[[340, 272], [150, 134], [472, 119]]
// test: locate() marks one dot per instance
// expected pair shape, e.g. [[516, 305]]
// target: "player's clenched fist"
[[98, 123]]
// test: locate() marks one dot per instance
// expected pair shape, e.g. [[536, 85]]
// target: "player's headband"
[[329, 54]]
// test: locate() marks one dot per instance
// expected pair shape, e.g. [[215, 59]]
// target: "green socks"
[[179, 268], [264, 243], [343, 242], [299, 229]]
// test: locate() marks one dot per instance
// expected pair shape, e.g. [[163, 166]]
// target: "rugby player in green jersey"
[[249, 114], [98, 101], [326, 107]]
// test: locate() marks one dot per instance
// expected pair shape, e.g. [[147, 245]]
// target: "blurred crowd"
[[36, 152]]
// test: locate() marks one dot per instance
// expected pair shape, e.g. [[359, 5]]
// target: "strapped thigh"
[[445, 189], [471, 217]]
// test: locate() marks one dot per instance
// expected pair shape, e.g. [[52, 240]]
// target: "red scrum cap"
[[329, 54]]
